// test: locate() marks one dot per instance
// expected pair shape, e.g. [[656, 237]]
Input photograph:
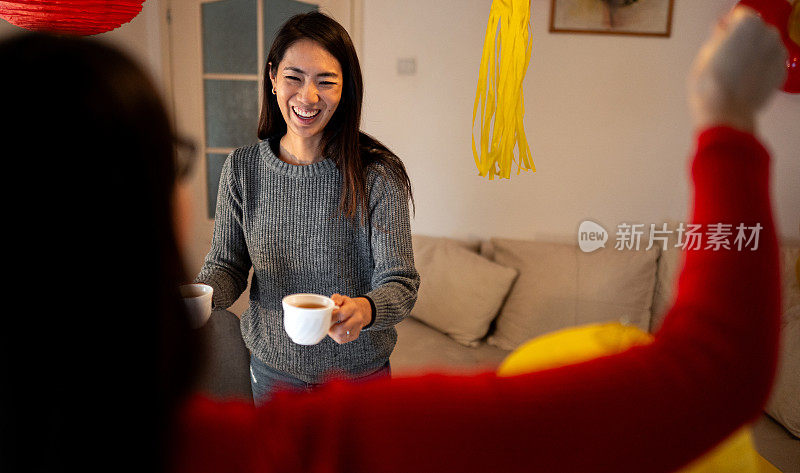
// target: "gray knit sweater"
[[283, 220]]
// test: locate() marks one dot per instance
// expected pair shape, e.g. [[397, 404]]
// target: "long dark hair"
[[342, 139], [96, 262]]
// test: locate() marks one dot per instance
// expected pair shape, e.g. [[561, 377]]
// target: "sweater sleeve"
[[652, 408], [228, 262], [394, 279]]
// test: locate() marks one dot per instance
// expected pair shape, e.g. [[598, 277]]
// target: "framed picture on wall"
[[623, 17]]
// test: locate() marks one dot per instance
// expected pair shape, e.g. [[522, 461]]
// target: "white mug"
[[197, 300], [307, 317]]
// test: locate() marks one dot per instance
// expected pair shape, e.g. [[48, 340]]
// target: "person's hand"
[[350, 316], [736, 71]]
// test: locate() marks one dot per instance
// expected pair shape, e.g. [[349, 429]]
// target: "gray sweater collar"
[[326, 166]]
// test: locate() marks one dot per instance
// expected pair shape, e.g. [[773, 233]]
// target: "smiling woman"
[[307, 100], [316, 207]]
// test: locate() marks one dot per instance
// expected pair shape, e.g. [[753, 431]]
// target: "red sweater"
[[650, 409]]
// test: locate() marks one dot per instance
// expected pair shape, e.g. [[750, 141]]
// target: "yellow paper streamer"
[[504, 62]]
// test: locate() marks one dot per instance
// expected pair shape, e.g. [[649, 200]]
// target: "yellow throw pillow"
[[572, 345], [735, 454]]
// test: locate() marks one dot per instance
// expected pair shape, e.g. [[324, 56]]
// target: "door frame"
[[356, 30]]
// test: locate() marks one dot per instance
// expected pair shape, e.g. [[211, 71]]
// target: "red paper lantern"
[[778, 13], [77, 17]]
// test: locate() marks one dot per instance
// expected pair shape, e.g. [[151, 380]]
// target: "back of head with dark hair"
[[105, 353]]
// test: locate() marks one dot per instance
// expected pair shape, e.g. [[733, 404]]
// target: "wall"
[[144, 38], [606, 118]]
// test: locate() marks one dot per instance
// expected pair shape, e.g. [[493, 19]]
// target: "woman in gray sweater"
[[315, 207]]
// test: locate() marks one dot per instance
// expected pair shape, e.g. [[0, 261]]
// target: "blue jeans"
[[266, 380]]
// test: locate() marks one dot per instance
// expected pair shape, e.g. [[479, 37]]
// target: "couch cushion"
[[460, 291], [784, 403], [670, 261], [423, 241], [669, 265], [422, 349], [559, 286], [790, 255], [571, 346], [777, 445]]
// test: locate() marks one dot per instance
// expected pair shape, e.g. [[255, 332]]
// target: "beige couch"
[[480, 300]]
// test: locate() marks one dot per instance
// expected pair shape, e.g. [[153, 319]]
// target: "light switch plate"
[[407, 66]]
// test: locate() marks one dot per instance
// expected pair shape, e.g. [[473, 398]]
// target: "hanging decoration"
[[786, 17], [505, 58], [75, 17]]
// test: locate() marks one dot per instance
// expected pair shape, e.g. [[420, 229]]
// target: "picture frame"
[[615, 17]]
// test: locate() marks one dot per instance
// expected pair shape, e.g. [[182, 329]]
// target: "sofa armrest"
[[225, 370], [777, 445]]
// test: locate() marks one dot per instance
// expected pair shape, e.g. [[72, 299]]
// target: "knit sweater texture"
[[283, 220], [650, 409]]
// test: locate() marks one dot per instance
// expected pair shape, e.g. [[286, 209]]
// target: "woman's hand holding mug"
[[350, 316]]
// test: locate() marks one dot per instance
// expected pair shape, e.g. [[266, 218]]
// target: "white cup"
[[307, 317], [197, 300]]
